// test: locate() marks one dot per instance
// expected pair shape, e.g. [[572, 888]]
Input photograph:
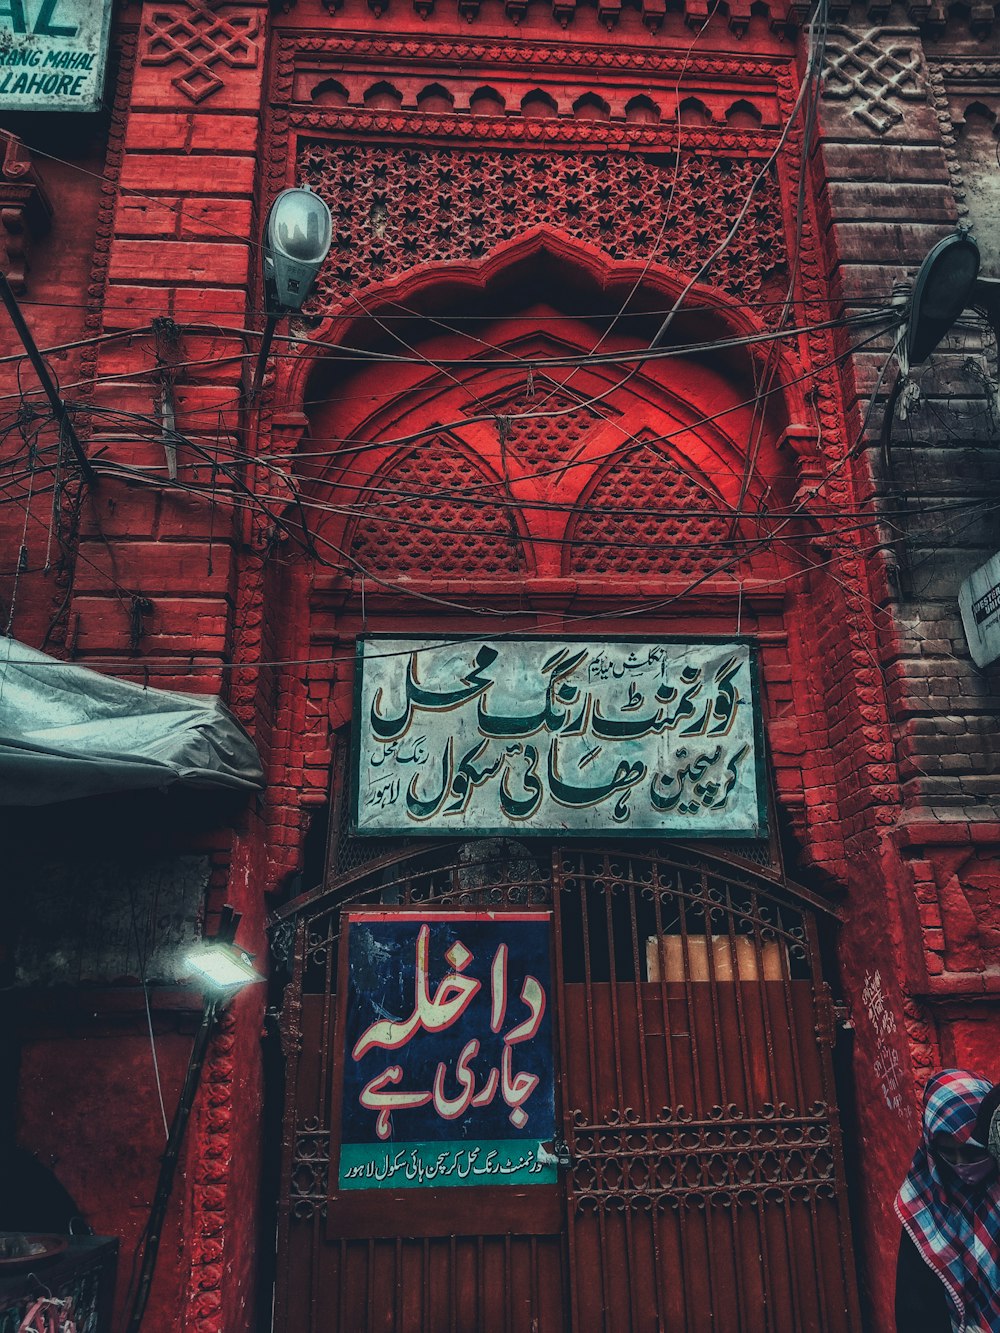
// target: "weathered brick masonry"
[[513, 160]]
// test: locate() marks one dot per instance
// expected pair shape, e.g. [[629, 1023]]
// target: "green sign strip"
[[368, 1166]]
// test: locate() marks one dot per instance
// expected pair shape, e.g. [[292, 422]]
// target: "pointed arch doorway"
[[506, 476]]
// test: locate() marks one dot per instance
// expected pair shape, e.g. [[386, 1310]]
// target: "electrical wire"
[[334, 352], [144, 979], [353, 445], [562, 468], [629, 612], [407, 315], [740, 217], [588, 360], [409, 591]]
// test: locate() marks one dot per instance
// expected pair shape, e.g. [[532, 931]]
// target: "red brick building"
[[461, 437]]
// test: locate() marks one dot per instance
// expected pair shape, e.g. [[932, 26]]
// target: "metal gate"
[[703, 1184]]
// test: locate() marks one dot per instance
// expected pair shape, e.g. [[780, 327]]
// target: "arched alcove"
[[591, 107], [743, 115], [642, 110], [502, 453], [545, 425], [383, 96], [329, 92], [487, 102], [434, 98], [539, 104], [693, 111]]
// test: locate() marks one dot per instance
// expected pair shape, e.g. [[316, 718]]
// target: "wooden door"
[[706, 1187]]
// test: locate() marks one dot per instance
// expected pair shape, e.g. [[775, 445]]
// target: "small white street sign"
[[53, 54], [979, 602]]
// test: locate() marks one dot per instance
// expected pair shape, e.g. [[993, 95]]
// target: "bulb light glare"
[[222, 965]]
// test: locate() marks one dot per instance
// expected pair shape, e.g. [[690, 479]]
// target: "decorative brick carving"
[[782, 15], [490, 51], [415, 524], [540, 442], [531, 132], [24, 207], [623, 527], [938, 93], [197, 36], [213, 1158], [874, 71], [394, 208]]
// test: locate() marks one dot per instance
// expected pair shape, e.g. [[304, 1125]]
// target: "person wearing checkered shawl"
[[948, 1274]]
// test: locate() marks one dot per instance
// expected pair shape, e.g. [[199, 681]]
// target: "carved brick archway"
[[466, 484]]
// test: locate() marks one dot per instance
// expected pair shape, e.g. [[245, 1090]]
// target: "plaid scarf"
[[956, 1229]]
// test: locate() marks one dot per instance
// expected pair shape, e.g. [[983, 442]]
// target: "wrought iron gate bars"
[[785, 1167], [771, 1157]]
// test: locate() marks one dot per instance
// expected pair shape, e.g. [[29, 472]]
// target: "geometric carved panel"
[[395, 207], [540, 440], [201, 40], [436, 513], [647, 516], [873, 72]]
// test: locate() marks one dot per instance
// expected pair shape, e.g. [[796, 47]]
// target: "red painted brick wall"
[[880, 730]]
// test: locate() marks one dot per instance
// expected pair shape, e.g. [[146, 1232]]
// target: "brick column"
[[889, 192], [181, 251], [158, 568]]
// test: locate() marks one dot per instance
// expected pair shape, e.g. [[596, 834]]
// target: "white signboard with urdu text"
[[540, 736], [53, 54]]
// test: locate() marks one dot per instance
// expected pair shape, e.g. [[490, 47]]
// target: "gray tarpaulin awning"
[[67, 732]]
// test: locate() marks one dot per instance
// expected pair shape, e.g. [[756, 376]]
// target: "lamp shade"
[[296, 241], [941, 291]]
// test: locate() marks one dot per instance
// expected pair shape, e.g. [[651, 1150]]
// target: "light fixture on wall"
[[297, 238], [222, 966], [223, 969], [945, 284]]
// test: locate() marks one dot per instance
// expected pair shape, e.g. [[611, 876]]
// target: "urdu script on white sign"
[[542, 736]]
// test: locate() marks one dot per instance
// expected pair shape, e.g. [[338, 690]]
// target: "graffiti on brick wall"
[[196, 36], [887, 1065], [874, 74]]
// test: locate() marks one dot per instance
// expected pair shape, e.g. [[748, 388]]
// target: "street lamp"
[[945, 284], [224, 969], [222, 966], [297, 238]]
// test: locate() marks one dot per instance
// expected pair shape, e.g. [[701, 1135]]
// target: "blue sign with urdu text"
[[447, 1066]]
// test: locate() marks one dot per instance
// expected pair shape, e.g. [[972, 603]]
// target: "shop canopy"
[[67, 732]]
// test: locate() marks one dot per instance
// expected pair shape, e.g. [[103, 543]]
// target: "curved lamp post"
[[223, 969], [297, 239]]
